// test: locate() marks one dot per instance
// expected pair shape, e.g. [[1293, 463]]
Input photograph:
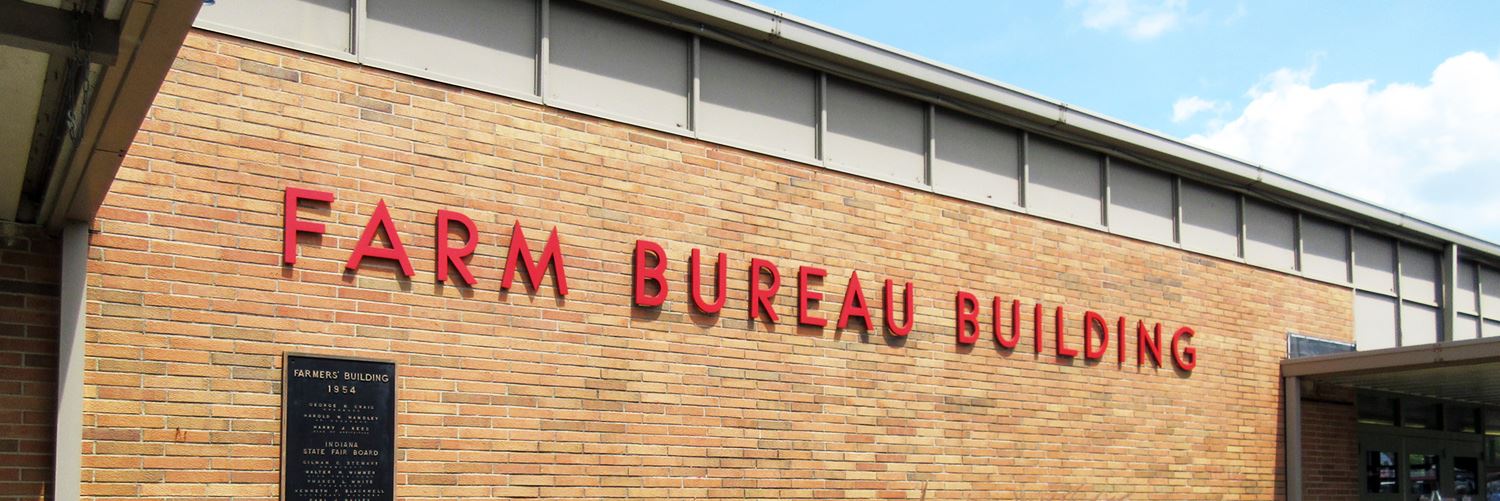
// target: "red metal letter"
[[1036, 325], [854, 303], [695, 283], [761, 299], [804, 296], [1090, 320], [1187, 358], [966, 318], [552, 257], [1143, 343], [1015, 332], [449, 255], [380, 220], [1062, 347], [1120, 341], [644, 273], [890, 312], [290, 225]]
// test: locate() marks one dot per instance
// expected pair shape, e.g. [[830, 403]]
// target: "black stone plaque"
[[338, 435]]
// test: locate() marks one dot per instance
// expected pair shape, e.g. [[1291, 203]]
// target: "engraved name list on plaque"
[[338, 429]]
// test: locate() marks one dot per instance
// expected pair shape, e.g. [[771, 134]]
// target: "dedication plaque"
[[338, 435]]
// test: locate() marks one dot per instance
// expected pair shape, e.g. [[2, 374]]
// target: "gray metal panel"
[[477, 43], [1467, 327], [1325, 250], [874, 132], [1374, 321], [1064, 181], [617, 66], [735, 18], [1489, 287], [1270, 235], [1465, 298], [1210, 220], [1491, 328], [1374, 263], [976, 159], [1419, 324], [757, 101], [1140, 202], [319, 24], [1419, 274]]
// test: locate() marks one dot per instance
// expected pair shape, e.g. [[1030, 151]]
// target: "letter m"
[[552, 257]]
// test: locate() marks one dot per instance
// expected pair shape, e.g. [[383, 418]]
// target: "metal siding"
[[1325, 250], [1374, 263], [1374, 321], [1419, 274], [1064, 182], [1491, 328], [1140, 202], [874, 132], [1270, 236], [605, 62], [1465, 299], [322, 24], [1210, 220], [757, 101], [1467, 327], [1419, 324], [975, 159], [479, 43], [1489, 287]]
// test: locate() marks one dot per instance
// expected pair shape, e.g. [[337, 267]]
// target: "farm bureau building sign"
[[650, 262]]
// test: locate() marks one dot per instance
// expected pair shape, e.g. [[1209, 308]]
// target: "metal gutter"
[[952, 86]]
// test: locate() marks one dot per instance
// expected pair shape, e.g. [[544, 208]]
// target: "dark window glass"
[[1491, 421], [1422, 473], [1377, 410], [1380, 473], [1492, 474], [1463, 419], [1466, 477], [1424, 415]]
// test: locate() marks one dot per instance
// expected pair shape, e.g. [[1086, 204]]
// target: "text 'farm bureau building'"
[[679, 249]]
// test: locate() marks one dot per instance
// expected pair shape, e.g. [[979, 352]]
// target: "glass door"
[[1380, 467], [1465, 483], [1424, 470]]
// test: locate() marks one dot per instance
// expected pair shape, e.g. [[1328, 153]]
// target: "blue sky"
[[1397, 103]]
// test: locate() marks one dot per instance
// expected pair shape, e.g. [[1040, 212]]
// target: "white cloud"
[[1188, 107], [1137, 19], [1431, 150]]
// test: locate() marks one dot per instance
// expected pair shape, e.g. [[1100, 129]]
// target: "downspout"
[[68, 451]]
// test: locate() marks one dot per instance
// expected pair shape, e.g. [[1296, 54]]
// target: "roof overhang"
[[80, 77], [1467, 371]]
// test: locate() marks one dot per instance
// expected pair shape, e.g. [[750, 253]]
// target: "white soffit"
[[23, 74]]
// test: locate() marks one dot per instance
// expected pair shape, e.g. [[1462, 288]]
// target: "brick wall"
[[526, 394], [28, 360], [1330, 447]]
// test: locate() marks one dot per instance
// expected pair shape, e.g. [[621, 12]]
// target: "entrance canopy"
[[1465, 371]]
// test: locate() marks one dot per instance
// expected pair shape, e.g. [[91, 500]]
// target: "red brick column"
[[28, 360]]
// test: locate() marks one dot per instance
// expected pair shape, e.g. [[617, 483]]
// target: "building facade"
[[642, 250]]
